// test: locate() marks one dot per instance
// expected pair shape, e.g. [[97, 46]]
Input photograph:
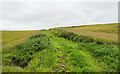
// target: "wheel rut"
[[61, 60]]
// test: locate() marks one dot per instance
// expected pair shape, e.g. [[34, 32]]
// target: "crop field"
[[61, 50], [102, 31], [11, 38]]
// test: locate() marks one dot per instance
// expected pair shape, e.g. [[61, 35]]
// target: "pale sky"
[[44, 14]]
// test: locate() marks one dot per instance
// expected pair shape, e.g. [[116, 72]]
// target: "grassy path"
[[63, 56], [67, 52]]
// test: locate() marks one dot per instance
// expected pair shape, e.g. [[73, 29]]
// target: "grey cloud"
[[46, 15]]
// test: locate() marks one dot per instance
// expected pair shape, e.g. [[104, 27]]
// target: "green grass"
[[105, 54], [61, 51]]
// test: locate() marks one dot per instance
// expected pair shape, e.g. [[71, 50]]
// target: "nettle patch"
[[22, 53]]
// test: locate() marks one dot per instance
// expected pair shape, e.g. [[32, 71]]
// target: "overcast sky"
[[32, 15]]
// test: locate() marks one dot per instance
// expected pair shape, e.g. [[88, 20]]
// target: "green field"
[[70, 49]]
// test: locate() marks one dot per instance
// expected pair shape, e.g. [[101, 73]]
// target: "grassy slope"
[[102, 31], [63, 55]]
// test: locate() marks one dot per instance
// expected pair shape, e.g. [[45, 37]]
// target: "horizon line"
[[53, 27]]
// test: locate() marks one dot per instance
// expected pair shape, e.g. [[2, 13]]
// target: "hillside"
[[70, 49]]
